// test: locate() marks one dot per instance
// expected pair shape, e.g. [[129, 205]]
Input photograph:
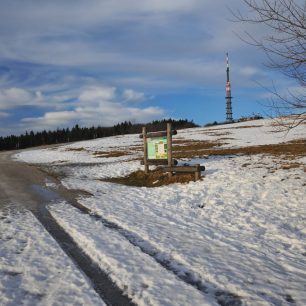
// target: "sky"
[[100, 62]]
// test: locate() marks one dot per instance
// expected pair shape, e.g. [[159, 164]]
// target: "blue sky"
[[100, 62]]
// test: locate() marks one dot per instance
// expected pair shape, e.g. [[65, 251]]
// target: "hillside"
[[236, 237]]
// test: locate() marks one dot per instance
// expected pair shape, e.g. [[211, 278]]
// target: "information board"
[[157, 148]]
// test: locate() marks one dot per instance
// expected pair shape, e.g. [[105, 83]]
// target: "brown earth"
[[155, 178]]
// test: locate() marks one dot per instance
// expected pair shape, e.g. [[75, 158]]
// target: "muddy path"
[[23, 186]]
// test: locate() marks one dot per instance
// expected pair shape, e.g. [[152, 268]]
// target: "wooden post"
[[169, 141], [197, 174], [145, 150]]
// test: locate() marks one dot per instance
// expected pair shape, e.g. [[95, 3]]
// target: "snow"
[[33, 268], [244, 134], [84, 151], [235, 231], [240, 231], [149, 283]]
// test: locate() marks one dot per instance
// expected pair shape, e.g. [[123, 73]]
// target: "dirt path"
[[23, 186], [15, 182]]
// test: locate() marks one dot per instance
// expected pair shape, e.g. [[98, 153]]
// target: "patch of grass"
[[225, 138], [76, 149], [118, 153], [99, 154], [236, 127], [155, 178], [217, 134], [191, 148], [290, 166], [290, 149], [248, 126], [136, 148]]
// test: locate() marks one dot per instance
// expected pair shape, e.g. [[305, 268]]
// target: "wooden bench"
[[196, 169]]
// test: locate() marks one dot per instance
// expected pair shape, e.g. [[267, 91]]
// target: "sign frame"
[[157, 147]]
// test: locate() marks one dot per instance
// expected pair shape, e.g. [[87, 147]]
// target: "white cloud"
[[14, 97], [97, 105], [97, 93], [53, 118], [105, 116], [131, 95]]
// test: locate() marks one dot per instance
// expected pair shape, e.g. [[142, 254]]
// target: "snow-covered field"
[[237, 236], [33, 268]]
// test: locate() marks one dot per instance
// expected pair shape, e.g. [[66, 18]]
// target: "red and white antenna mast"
[[229, 112]]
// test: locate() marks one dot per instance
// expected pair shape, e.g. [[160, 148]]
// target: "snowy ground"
[[34, 270], [237, 236]]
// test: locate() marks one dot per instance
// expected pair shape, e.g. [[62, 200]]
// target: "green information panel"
[[157, 148]]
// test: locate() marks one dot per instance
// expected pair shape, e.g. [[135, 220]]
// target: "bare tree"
[[284, 44]]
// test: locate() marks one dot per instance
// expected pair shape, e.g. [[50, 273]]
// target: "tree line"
[[77, 133]]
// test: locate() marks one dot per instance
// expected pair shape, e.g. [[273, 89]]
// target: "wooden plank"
[[194, 168], [158, 134], [181, 168], [159, 162]]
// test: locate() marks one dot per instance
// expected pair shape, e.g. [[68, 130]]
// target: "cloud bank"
[[96, 105]]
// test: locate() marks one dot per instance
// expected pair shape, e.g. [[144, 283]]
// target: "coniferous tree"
[[77, 133]]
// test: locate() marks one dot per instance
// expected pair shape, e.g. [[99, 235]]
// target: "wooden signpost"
[[157, 147]]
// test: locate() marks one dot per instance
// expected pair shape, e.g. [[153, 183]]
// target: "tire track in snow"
[[110, 293], [224, 298]]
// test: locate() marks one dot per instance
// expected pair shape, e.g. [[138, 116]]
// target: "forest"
[[77, 133]]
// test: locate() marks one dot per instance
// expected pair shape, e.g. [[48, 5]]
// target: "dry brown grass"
[[236, 127], [288, 166], [189, 149], [99, 154], [136, 148], [225, 138], [216, 134], [155, 178], [75, 149], [247, 126]]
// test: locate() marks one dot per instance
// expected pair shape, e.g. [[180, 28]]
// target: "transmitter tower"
[[228, 98]]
